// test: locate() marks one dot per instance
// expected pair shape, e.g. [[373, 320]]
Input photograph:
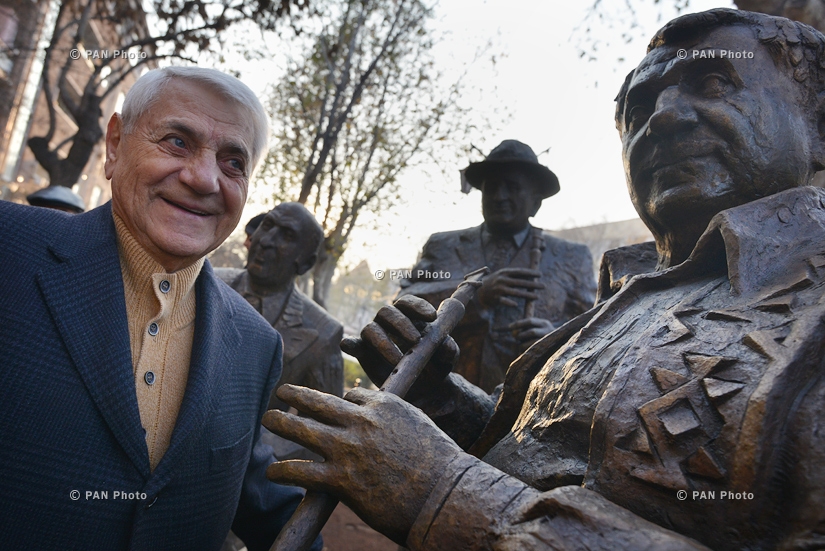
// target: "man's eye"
[[177, 142], [637, 116], [714, 86], [236, 165]]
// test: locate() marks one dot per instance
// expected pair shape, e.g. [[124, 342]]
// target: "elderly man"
[[686, 409], [133, 381], [527, 264], [283, 247]]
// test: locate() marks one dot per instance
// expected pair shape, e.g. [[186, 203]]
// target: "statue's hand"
[[529, 330], [395, 329], [502, 286], [382, 456]]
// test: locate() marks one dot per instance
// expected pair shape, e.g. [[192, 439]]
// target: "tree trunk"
[[322, 276], [66, 172]]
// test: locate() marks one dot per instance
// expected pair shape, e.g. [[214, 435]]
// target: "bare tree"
[[180, 29], [811, 12], [363, 103]]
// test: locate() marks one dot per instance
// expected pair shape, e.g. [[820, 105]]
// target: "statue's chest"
[[682, 421]]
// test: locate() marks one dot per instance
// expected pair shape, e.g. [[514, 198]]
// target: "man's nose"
[[202, 174], [268, 238], [674, 113]]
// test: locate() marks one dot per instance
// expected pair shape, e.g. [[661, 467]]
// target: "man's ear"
[[114, 133], [304, 265]]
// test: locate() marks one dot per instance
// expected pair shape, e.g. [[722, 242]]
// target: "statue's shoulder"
[[228, 275], [454, 237], [564, 248]]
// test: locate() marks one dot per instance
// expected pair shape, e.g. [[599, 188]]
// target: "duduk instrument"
[[312, 514], [536, 250]]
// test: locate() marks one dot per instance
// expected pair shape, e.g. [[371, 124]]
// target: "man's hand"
[[396, 328], [529, 330], [512, 283], [382, 456]]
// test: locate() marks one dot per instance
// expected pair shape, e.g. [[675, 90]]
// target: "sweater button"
[[153, 329], [165, 286], [149, 377]]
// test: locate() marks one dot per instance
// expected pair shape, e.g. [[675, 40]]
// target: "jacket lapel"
[[468, 250], [84, 293], [297, 338], [210, 367]]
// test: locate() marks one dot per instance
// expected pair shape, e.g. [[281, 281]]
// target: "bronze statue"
[[682, 412], [538, 281], [285, 246]]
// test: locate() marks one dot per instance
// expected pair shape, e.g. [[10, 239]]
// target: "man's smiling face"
[[180, 176], [702, 135]]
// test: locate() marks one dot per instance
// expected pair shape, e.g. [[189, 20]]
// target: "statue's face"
[[278, 246], [704, 134], [508, 200]]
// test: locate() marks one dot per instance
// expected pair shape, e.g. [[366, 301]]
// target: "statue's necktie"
[[501, 254]]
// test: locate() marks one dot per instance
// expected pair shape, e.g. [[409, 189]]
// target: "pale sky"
[[557, 100]]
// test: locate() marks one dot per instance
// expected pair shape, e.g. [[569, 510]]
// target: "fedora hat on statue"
[[513, 153]]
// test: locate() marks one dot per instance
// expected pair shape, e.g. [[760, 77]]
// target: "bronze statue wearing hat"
[[537, 282], [58, 198]]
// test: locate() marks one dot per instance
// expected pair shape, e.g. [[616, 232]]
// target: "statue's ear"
[[304, 265]]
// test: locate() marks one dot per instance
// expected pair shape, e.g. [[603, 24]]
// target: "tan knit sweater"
[[160, 308]]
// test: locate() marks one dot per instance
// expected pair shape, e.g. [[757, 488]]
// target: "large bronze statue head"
[[285, 245], [725, 108]]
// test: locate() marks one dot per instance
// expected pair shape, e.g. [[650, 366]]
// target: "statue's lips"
[[675, 171]]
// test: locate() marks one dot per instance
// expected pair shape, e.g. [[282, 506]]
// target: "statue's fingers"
[[318, 405], [395, 322], [446, 355], [374, 335], [523, 323], [308, 474], [507, 302], [520, 273], [416, 308], [352, 346], [530, 335], [515, 292], [308, 432], [360, 396], [522, 283], [375, 366]]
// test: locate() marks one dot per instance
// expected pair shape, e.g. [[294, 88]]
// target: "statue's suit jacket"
[[487, 347], [69, 420], [312, 356]]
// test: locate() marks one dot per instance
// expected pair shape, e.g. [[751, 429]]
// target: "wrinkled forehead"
[[291, 216], [734, 45]]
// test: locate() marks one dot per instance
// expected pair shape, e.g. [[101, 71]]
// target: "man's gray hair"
[[146, 91]]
